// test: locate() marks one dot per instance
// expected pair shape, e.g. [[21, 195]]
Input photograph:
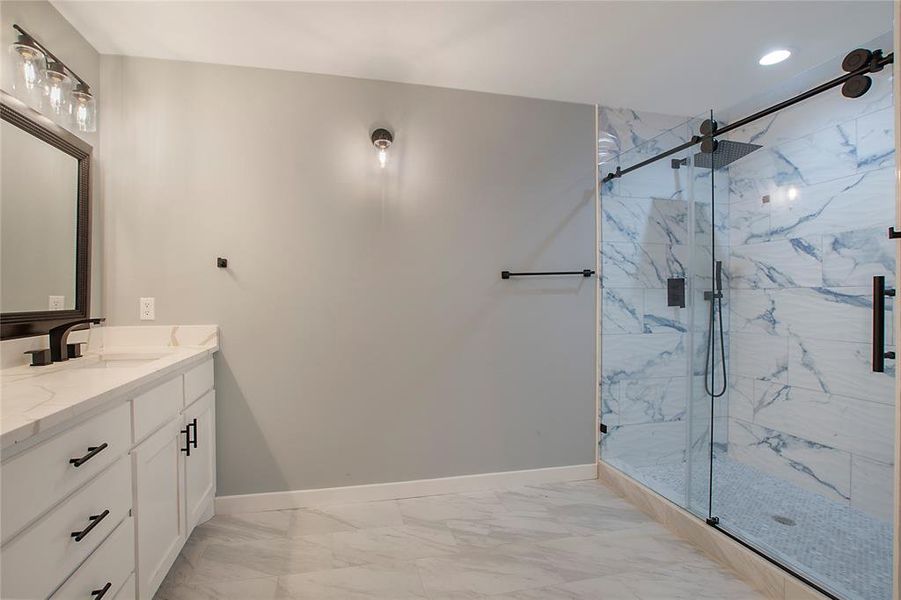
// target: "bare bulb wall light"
[[45, 83], [382, 140]]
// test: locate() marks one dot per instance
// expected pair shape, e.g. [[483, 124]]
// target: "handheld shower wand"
[[715, 296]]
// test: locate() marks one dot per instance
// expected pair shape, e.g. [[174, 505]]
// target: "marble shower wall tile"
[[644, 220], [651, 401], [759, 356], [797, 262], [854, 257], [872, 487], [645, 356], [858, 201], [827, 110], [652, 133], [647, 444], [718, 221], [816, 467], [622, 311], [842, 314], [755, 311], [632, 264], [659, 317], [860, 427], [749, 217], [876, 140], [820, 156], [841, 368]]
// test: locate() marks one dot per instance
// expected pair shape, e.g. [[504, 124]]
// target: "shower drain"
[[784, 520]]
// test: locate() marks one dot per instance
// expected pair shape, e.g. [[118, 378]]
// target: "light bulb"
[[83, 109], [382, 139], [57, 86]]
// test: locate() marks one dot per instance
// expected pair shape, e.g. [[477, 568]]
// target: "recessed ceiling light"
[[774, 57]]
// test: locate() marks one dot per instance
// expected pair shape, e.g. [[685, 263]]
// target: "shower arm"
[[876, 63]]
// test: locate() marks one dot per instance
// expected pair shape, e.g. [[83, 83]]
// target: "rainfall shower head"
[[726, 153]]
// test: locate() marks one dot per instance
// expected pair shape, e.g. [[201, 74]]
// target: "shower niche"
[[755, 405]]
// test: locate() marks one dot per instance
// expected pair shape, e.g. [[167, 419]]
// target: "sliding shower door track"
[[714, 522]]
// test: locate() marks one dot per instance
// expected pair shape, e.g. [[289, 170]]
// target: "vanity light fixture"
[[37, 69], [382, 139], [29, 62]]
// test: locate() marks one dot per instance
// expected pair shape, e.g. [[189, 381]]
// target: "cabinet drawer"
[[153, 408], [33, 564], [128, 590], [39, 478], [198, 381], [109, 567]]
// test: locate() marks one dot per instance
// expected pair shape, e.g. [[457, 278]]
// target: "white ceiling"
[[675, 57]]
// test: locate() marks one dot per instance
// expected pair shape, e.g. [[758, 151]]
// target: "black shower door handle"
[[879, 294]]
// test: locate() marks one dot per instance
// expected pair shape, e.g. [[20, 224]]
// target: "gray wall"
[[366, 334], [43, 21]]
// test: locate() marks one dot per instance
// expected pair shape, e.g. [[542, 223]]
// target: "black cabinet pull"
[[98, 594], [79, 535], [194, 425], [879, 353], [92, 452], [187, 432]]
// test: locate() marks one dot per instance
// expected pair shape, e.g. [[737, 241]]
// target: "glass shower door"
[[648, 230], [803, 434]]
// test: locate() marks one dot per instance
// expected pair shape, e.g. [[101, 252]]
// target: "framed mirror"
[[45, 222]]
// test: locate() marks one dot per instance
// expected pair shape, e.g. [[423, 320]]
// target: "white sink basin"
[[121, 360]]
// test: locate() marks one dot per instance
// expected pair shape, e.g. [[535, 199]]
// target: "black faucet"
[[59, 336]]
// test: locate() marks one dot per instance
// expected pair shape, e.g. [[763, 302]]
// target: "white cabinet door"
[[200, 464], [159, 505]]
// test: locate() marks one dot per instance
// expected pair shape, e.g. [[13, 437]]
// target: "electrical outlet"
[[147, 311], [57, 303]]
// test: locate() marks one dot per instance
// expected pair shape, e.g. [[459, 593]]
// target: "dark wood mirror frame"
[[22, 324]]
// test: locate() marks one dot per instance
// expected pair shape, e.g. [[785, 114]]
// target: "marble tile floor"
[[565, 541], [848, 550]]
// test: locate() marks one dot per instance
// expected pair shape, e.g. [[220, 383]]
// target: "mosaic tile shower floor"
[[848, 550]]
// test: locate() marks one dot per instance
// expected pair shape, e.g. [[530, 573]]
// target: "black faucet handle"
[[74, 350], [40, 358]]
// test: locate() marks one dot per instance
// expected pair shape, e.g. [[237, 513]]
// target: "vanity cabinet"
[[200, 458], [159, 505], [108, 502]]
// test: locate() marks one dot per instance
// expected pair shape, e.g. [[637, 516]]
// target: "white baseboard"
[[400, 489]]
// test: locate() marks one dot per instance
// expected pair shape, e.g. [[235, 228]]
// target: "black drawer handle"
[[98, 594], [187, 432], [79, 535], [194, 425], [92, 452]]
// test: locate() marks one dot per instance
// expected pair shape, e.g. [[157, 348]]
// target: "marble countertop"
[[118, 361]]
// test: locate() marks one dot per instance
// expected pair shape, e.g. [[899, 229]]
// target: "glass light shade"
[[83, 109], [383, 157], [28, 63], [57, 87]]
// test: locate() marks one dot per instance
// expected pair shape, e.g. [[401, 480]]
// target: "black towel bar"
[[583, 273]]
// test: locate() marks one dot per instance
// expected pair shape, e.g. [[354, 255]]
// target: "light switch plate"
[[147, 310], [56, 302]]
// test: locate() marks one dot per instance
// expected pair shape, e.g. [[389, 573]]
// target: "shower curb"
[[765, 577]]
